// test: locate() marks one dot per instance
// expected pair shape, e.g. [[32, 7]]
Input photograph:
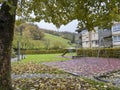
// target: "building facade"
[[105, 38], [116, 34], [97, 38], [89, 39]]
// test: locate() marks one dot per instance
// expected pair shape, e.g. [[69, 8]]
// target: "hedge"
[[102, 52], [41, 51]]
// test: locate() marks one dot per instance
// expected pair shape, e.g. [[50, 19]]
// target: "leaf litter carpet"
[[87, 66]]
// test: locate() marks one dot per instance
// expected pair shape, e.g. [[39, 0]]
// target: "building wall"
[[94, 39], [109, 38], [86, 39], [116, 34], [105, 36]]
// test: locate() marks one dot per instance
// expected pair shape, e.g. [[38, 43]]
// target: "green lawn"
[[39, 58]]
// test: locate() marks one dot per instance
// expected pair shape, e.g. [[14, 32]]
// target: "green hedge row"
[[42, 51], [102, 52]]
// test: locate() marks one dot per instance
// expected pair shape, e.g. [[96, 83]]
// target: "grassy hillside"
[[48, 42], [56, 39], [64, 34]]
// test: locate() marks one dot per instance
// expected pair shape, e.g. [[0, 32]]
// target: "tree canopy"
[[89, 13]]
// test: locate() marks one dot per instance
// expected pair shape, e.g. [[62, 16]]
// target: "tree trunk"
[[90, 41], [7, 22]]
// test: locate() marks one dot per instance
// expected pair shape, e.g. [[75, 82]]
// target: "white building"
[[93, 39], [89, 39], [110, 38], [116, 35]]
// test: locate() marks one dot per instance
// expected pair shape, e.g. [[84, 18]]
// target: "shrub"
[[42, 51], [102, 52]]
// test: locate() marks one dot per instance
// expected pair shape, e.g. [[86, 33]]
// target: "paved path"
[[40, 75], [87, 66]]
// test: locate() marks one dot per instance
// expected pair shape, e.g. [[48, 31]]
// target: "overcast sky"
[[70, 27]]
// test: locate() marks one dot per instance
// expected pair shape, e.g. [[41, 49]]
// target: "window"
[[119, 37], [96, 42], [86, 42], [92, 41], [105, 30], [116, 38], [116, 27]]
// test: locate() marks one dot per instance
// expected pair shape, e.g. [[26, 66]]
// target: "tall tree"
[[7, 20], [89, 13]]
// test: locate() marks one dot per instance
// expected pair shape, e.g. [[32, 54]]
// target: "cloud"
[[70, 27]]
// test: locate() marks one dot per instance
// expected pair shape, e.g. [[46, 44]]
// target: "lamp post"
[[18, 43]]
